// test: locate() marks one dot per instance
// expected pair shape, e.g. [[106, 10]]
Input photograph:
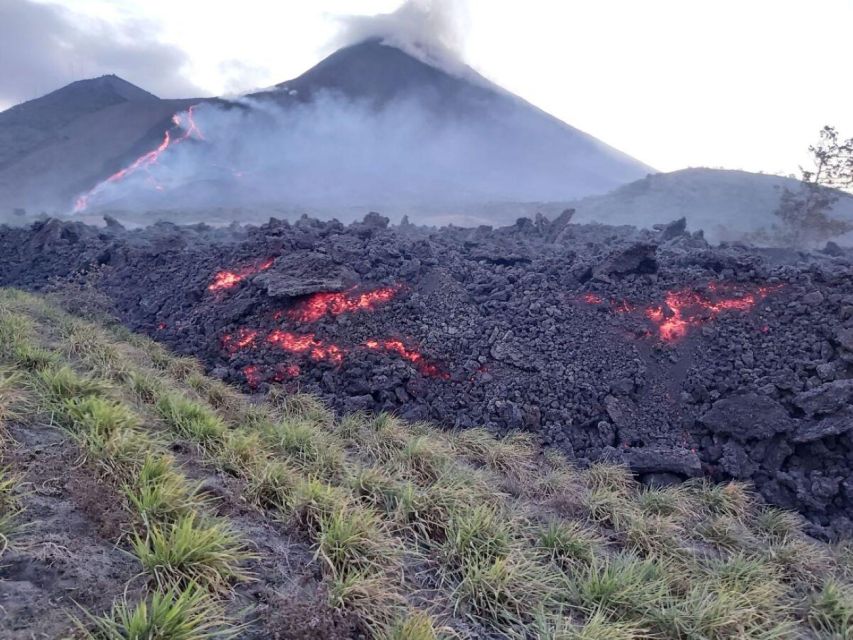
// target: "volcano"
[[393, 130]]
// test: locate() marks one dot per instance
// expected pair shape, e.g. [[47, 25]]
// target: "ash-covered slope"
[[54, 147]]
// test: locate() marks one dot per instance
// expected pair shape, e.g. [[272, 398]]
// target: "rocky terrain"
[[649, 347]]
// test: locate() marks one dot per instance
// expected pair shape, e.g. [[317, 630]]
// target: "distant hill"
[[726, 204]]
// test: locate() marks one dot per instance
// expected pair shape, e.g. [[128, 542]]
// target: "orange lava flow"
[[185, 121], [413, 356], [307, 343], [228, 279], [241, 339], [286, 372], [684, 309], [321, 304], [253, 375]]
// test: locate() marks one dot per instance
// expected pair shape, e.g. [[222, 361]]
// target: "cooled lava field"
[[649, 347]]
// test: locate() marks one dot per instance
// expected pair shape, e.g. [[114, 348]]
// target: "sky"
[[739, 84]]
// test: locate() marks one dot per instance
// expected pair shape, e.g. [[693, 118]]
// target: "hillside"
[[727, 205], [139, 494], [57, 146]]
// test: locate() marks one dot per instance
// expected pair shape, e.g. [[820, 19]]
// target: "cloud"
[[45, 46]]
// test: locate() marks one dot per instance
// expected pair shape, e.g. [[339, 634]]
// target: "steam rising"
[[433, 31], [334, 153]]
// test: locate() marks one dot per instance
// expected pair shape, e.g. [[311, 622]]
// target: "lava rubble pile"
[[648, 347]]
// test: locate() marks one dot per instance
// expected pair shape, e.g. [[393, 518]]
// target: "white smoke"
[[433, 31], [334, 154]]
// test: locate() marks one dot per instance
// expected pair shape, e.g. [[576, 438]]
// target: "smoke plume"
[[333, 154], [431, 30]]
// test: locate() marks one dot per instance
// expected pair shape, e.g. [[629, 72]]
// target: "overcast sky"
[[742, 84]]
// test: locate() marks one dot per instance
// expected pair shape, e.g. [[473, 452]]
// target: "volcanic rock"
[[674, 229], [637, 258], [747, 416], [836, 425], [301, 273], [845, 341], [826, 399], [758, 387]]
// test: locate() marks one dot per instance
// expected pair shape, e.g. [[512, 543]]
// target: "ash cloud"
[[44, 46]]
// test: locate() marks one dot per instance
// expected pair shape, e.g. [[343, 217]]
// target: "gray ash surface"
[[648, 347]]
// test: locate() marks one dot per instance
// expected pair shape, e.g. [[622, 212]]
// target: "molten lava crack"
[[321, 304], [307, 343], [224, 280], [686, 308]]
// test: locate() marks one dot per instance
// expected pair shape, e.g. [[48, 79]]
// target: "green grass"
[[415, 626], [831, 611], [623, 587], [160, 493], [354, 538], [191, 419], [189, 550], [569, 543], [307, 446], [179, 613], [106, 430], [62, 383]]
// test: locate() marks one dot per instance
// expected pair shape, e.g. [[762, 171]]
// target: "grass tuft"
[[107, 430], [62, 383], [160, 493], [568, 543], [831, 611], [415, 626], [189, 550], [370, 596], [271, 485], [354, 538], [191, 419], [186, 613], [10, 508]]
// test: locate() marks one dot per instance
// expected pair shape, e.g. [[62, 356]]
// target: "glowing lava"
[[241, 339], [228, 279], [415, 357], [307, 343], [184, 121], [322, 304], [685, 308], [253, 375], [287, 372]]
